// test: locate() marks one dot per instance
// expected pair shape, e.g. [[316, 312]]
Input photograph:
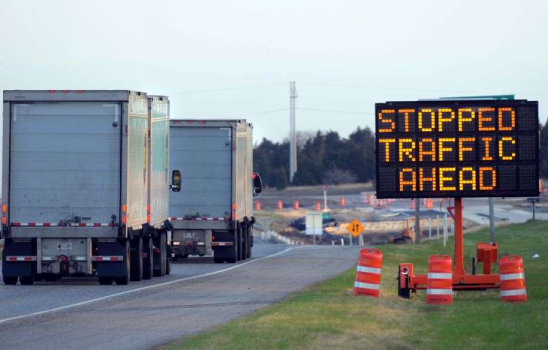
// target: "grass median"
[[328, 316]]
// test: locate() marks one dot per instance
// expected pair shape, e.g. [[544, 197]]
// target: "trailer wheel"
[[168, 258], [235, 247], [10, 280], [106, 281], [240, 255], [160, 265], [137, 259], [168, 266], [148, 261], [26, 280], [124, 280], [243, 252], [249, 241], [218, 260]]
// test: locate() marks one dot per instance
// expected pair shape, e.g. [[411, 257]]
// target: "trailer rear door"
[[65, 162], [204, 157]]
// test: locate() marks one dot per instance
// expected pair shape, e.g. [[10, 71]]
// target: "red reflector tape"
[[107, 258], [222, 244], [20, 258], [197, 219]]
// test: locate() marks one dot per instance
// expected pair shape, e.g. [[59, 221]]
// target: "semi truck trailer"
[[85, 185], [212, 211]]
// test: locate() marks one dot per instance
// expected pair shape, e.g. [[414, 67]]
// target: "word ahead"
[[457, 149]]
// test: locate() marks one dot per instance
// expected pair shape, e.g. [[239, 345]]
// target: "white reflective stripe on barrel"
[[369, 269], [366, 285], [514, 292], [440, 276], [512, 276], [439, 291]]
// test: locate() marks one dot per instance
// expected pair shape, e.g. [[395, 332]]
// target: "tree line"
[[323, 158], [327, 158]]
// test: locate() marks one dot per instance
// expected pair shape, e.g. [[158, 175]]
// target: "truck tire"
[[137, 259], [148, 261], [10, 280], [160, 265], [249, 238], [106, 281], [216, 260], [124, 280], [241, 243], [168, 258], [244, 242], [26, 280], [168, 266], [235, 245]]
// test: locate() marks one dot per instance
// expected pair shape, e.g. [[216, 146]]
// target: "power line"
[[191, 92], [334, 111], [364, 87], [237, 115]]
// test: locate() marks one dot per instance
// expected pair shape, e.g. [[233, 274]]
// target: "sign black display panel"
[[468, 148]]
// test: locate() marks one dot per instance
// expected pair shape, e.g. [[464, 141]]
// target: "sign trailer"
[[458, 149]]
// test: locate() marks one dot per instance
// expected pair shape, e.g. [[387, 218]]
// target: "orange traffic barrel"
[[342, 202], [280, 205], [257, 205], [439, 286], [318, 206], [512, 279], [368, 273], [296, 204]]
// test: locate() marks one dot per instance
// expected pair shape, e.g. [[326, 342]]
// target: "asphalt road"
[[81, 314]]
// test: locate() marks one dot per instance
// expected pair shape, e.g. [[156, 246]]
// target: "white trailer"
[[85, 185], [213, 211]]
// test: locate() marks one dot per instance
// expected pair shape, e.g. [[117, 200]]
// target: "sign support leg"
[[459, 254]]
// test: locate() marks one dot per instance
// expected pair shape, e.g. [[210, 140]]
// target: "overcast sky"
[[234, 59]]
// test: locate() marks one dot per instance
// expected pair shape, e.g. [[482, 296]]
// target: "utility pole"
[[292, 132]]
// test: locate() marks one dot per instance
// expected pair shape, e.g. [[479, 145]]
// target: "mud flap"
[[111, 268], [225, 252], [19, 268]]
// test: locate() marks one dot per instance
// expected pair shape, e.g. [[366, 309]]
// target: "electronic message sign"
[[448, 148]]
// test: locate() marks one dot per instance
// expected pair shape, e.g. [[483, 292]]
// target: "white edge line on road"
[[5, 320]]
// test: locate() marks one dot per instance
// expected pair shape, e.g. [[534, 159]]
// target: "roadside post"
[[533, 201], [445, 233], [354, 228], [325, 197], [438, 223]]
